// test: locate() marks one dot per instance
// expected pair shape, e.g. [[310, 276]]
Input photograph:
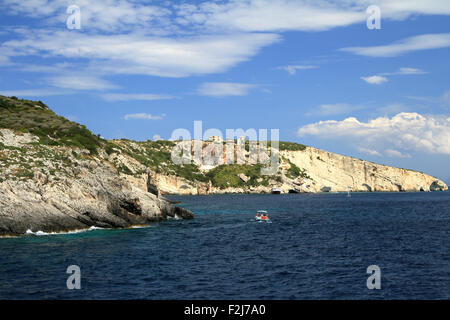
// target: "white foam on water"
[[140, 227], [42, 233], [95, 228], [29, 232]]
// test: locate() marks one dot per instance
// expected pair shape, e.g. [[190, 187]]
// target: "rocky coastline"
[[57, 176]]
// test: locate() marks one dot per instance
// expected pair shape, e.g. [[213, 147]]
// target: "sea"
[[317, 246]]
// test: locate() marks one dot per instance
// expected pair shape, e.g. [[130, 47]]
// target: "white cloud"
[[369, 151], [293, 69], [422, 42], [375, 79], [402, 9], [403, 132], [270, 15], [232, 15], [380, 78], [80, 82], [224, 89], [170, 40], [105, 15], [134, 96], [404, 71], [409, 71], [395, 154], [143, 116], [157, 56], [300, 15]]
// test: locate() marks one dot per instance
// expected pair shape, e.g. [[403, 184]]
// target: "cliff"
[[55, 177], [301, 169]]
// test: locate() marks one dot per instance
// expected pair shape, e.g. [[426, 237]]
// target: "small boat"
[[276, 191], [262, 216]]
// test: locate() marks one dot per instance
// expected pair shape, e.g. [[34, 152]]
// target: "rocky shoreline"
[[57, 176], [96, 197], [53, 189]]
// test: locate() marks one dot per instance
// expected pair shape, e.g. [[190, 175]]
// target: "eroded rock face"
[[87, 193], [341, 172], [327, 172], [438, 186], [98, 199], [10, 139]]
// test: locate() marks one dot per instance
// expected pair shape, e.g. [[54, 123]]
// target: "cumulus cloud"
[[375, 79], [143, 116], [404, 132], [224, 89]]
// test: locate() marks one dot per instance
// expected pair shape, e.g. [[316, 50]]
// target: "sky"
[[323, 72]]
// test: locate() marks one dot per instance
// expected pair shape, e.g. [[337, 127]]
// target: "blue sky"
[[312, 69]]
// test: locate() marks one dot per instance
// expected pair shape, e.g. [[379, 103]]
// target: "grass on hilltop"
[[23, 115]]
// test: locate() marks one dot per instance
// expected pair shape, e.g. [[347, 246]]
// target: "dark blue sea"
[[318, 246]]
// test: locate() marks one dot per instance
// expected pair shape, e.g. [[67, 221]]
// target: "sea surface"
[[318, 246]]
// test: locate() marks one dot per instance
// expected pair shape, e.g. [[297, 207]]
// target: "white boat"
[[260, 214], [276, 191]]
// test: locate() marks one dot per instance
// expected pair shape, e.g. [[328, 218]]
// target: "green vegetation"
[[295, 172], [24, 174], [124, 169], [291, 146], [283, 146], [156, 155], [26, 116], [34, 117], [227, 176]]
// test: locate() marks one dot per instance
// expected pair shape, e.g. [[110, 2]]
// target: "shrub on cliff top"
[[227, 175], [36, 118]]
